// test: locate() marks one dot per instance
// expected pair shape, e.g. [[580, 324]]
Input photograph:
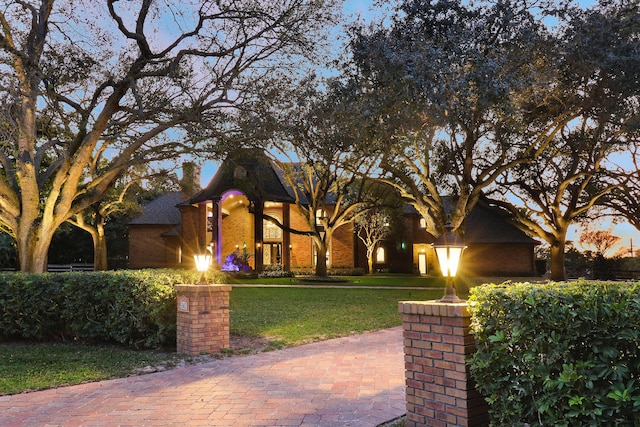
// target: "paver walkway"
[[351, 381]]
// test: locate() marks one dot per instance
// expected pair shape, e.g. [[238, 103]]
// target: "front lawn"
[[35, 366], [281, 316], [395, 280], [298, 315]]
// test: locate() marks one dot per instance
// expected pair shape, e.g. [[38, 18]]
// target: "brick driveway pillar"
[[203, 319], [440, 391]]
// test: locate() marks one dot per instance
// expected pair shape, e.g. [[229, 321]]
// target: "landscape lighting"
[[203, 261], [449, 248]]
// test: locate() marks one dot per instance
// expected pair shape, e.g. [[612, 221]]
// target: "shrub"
[[275, 271], [558, 354], [136, 308]]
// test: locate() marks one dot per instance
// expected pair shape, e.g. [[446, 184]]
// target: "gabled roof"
[[488, 224], [249, 171], [161, 211], [485, 224]]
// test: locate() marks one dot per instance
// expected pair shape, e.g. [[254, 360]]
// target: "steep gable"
[[248, 171]]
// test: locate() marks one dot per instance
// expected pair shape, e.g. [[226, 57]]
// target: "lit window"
[[423, 223], [271, 231], [320, 214], [380, 255]]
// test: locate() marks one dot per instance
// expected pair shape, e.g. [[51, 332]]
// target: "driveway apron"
[[352, 381]]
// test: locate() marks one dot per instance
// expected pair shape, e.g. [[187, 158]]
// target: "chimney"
[[190, 183]]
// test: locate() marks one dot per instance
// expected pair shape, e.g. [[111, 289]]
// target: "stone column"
[[203, 319], [440, 391]]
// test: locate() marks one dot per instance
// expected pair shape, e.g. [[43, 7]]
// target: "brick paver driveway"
[[352, 381]]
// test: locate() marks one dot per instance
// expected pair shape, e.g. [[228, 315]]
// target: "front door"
[[422, 263], [272, 253]]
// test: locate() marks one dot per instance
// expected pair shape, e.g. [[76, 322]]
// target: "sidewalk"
[[352, 381]]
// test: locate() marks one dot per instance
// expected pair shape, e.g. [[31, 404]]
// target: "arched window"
[[381, 255], [423, 223], [270, 231]]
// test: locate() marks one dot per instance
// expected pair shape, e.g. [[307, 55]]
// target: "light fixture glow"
[[449, 248], [203, 261]]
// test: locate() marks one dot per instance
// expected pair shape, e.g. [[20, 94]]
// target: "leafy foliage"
[[558, 354], [136, 308]]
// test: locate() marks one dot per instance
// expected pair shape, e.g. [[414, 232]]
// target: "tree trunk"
[[558, 272], [99, 249], [321, 259], [370, 258], [33, 246]]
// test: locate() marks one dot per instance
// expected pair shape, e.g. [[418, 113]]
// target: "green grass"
[[283, 316], [25, 367], [395, 280], [296, 315]]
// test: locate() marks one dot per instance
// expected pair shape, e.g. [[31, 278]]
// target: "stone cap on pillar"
[[202, 289], [435, 308]]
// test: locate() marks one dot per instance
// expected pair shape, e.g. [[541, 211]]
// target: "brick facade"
[[342, 247], [493, 259], [147, 247], [222, 218], [203, 319], [439, 388]]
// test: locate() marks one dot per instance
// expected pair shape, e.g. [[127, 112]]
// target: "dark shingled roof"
[[487, 224], [249, 171], [160, 211]]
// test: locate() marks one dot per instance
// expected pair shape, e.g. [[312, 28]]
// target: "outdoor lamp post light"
[[203, 261], [449, 248]]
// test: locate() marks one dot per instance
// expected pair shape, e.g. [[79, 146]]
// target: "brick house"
[[231, 214]]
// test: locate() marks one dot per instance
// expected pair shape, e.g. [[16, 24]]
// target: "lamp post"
[[203, 261], [449, 248]]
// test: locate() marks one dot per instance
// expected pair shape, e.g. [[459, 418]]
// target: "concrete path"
[[353, 381]]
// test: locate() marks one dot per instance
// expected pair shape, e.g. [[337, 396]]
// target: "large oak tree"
[[322, 163], [440, 97], [594, 95], [126, 81]]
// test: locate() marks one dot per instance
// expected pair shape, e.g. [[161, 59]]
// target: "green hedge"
[[135, 308], [561, 354]]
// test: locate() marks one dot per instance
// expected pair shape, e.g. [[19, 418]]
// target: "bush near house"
[[135, 308], [561, 354]]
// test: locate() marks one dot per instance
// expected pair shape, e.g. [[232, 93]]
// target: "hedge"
[[562, 354], [135, 308]]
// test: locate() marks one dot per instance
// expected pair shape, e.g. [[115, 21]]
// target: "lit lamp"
[[203, 261], [449, 248]]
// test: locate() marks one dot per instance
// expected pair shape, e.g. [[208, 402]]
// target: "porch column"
[[217, 231], [258, 227], [286, 236]]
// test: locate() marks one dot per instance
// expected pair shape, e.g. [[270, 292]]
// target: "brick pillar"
[[440, 391], [203, 318]]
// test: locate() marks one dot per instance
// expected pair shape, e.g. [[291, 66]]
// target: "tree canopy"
[[488, 100], [130, 82], [442, 93]]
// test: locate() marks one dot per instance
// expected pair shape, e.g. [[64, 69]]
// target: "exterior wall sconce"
[[449, 248], [203, 261], [258, 244]]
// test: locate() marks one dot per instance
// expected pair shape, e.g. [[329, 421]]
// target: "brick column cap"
[[435, 308], [201, 289]]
